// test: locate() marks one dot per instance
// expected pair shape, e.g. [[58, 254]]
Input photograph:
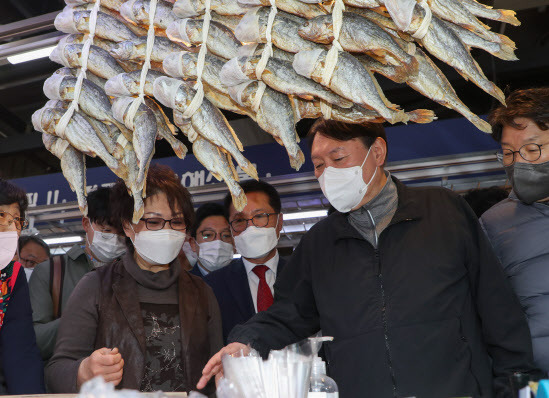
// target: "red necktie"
[[264, 294]]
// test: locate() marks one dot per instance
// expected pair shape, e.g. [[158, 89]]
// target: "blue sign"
[[406, 142], [269, 159]]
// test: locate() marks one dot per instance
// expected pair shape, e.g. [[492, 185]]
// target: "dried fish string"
[[65, 119], [332, 55], [132, 110], [265, 55], [199, 87], [424, 27]]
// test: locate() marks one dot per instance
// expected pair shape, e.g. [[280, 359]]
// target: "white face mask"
[[159, 247], [106, 247], [215, 255], [28, 272], [8, 247], [345, 188], [256, 242], [190, 254]]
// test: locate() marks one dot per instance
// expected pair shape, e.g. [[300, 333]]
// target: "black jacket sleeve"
[[292, 317], [504, 325], [22, 364]]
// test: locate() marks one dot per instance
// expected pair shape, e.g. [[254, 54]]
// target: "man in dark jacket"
[[518, 226], [403, 278]]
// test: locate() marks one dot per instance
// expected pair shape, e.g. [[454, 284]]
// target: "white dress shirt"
[[253, 279]]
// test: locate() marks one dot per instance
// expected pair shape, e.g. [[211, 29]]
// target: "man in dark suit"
[[211, 239], [245, 286]]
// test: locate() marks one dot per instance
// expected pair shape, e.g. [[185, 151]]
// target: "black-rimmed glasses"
[[259, 220], [157, 223], [529, 152], [209, 235], [6, 219]]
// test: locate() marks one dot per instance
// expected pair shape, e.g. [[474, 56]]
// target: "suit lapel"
[[240, 290], [125, 291]]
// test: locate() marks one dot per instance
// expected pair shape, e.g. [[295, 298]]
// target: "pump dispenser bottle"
[[321, 386]]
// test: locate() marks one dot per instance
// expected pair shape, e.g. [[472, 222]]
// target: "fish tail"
[[249, 169], [239, 198], [180, 149], [422, 116], [495, 92], [509, 16], [82, 203], [506, 53], [297, 161], [138, 206], [506, 41]]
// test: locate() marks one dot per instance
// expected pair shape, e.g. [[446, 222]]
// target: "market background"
[[449, 152]]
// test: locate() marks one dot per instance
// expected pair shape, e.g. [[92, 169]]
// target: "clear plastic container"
[[321, 386]]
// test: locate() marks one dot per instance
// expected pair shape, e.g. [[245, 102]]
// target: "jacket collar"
[[408, 208]]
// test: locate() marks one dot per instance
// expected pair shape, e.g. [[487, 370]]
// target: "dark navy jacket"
[[21, 368], [232, 290], [196, 271]]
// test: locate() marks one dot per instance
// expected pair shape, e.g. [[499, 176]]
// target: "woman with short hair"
[[140, 322]]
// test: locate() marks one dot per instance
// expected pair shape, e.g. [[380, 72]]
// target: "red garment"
[[264, 294], [8, 277]]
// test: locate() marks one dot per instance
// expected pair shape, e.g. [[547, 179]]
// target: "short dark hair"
[[481, 199], [100, 208], [531, 104], [10, 194], [159, 179], [205, 211], [256, 186], [367, 132], [24, 240]]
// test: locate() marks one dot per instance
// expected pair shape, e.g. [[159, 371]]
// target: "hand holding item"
[[103, 362], [214, 367]]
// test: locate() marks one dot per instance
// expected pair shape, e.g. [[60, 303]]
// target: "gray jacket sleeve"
[[76, 336], [45, 326]]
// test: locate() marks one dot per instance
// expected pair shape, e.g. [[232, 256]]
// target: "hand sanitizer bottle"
[[321, 386]]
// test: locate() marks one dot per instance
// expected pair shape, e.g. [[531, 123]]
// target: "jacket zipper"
[[384, 320]]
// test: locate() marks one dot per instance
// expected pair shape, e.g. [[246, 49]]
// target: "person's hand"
[[214, 366], [103, 362]]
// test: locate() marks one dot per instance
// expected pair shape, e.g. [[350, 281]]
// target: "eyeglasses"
[[209, 236], [29, 263], [259, 220], [157, 223], [6, 219], [529, 152]]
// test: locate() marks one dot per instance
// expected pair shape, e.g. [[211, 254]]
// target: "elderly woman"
[[21, 370], [141, 322]]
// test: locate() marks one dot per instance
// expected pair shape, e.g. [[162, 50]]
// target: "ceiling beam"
[[20, 143], [28, 26]]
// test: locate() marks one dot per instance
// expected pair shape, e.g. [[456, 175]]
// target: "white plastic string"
[[424, 27], [132, 110], [333, 54], [65, 119], [199, 96], [265, 55]]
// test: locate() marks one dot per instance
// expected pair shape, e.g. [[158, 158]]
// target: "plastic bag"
[[305, 61], [247, 31], [177, 31], [173, 63], [188, 8], [52, 86], [165, 90], [401, 12], [64, 21], [120, 106], [115, 86], [231, 74]]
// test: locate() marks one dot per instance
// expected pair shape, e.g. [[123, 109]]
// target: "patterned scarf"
[[8, 276]]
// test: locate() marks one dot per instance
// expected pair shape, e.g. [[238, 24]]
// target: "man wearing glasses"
[[211, 239], [52, 282], [518, 226], [32, 251], [246, 286]]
